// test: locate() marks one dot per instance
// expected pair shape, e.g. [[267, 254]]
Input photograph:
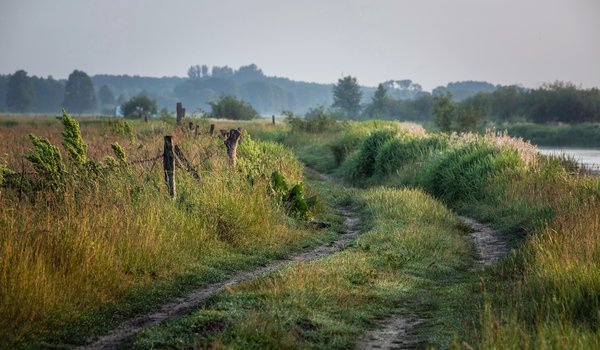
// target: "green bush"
[[362, 164], [461, 174], [400, 151], [316, 120], [229, 107], [139, 107]]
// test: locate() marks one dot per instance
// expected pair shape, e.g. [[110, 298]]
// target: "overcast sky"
[[432, 42]]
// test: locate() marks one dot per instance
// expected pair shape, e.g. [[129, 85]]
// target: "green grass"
[[412, 244], [104, 248], [543, 296]]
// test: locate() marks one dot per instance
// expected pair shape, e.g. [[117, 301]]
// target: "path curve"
[[185, 305], [395, 332]]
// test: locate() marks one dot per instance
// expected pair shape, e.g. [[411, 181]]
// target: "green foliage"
[[443, 110], [295, 202], [450, 116], [346, 96], [363, 165], [20, 96], [138, 107], [293, 199], [278, 184], [73, 142], [550, 103], [121, 127], [575, 135], [316, 120], [349, 141], [47, 161], [229, 107], [80, 96], [119, 152], [402, 151], [380, 103]]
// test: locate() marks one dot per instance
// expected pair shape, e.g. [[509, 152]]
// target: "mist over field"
[[279, 174]]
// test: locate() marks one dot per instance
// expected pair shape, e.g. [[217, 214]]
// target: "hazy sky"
[[431, 42]]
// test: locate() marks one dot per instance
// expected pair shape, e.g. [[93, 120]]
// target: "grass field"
[[78, 258], [88, 241], [545, 295]]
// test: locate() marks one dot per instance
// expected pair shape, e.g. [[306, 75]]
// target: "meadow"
[[543, 295], [90, 235], [99, 240]]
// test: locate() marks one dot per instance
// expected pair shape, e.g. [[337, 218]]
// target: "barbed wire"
[[140, 161]]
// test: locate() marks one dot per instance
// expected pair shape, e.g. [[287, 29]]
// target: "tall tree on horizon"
[[346, 96], [379, 103], [80, 96], [20, 96], [107, 100]]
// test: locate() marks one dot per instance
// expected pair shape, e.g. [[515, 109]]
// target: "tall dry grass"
[[63, 260]]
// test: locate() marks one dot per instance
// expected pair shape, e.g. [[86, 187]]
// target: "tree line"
[[557, 102], [25, 94], [204, 84]]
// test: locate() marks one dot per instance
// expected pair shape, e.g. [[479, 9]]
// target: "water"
[[589, 158]]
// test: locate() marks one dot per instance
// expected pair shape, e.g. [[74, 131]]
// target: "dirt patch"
[[192, 301], [392, 333], [490, 244]]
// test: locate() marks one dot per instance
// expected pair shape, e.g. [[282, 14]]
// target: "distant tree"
[[20, 95], [107, 100], [204, 70], [230, 107], [222, 72], [80, 96], [468, 118], [249, 72], [194, 72], [380, 102], [3, 90], [444, 110], [450, 116], [346, 96], [48, 94], [140, 106]]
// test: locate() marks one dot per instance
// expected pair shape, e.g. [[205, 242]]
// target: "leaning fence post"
[[232, 141], [169, 165], [212, 129]]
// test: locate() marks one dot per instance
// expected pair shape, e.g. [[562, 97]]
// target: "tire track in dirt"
[[396, 332], [185, 305]]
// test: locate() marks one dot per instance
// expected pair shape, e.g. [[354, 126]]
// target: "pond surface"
[[589, 158]]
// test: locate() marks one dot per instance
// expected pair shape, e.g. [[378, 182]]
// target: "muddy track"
[[185, 305], [396, 332]]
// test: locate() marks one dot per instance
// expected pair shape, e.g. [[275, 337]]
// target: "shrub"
[[397, 152], [364, 166], [139, 107], [316, 120], [229, 107]]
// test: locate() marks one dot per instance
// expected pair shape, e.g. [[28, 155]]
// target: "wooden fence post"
[[273, 120], [196, 131], [212, 129], [180, 113], [169, 165], [231, 143]]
